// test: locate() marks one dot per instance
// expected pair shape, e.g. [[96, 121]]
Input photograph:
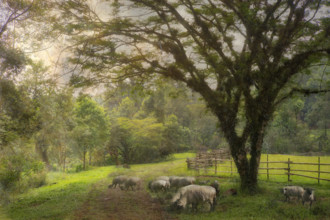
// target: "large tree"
[[241, 56]]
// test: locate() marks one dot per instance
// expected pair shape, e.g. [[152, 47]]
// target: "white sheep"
[[305, 195], [293, 191], [133, 182], [118, 181], [158, 185], [178, 182], [194, 195]]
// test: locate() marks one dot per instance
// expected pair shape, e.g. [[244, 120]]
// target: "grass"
[[57, 200], [65, 193], [276, 175]]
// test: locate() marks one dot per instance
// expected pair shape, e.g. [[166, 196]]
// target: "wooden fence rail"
[[206, 164]]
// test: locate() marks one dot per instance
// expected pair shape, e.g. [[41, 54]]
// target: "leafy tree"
[[175, 137], [137, 140], [19, 25], [127, 108], [92, 127], [239, 55]]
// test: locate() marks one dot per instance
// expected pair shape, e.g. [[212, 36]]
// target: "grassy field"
[[65, 193], [277, 175]]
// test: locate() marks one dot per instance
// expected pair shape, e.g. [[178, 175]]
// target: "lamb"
[[133, 182], [118, 181], [158, 185], [178, 182], [194, 195], [306, 195]]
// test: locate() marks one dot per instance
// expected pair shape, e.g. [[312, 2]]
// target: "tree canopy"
[[240, 56]]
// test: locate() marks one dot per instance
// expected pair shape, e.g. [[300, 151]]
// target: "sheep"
[[118, 181], [133, 182], [194, 195], [293, 191], [178, 182], [216, 186], [158, 185], [166, 178], [171, 178], [306, 195]]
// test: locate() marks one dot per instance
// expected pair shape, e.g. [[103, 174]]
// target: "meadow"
[[224, 168], [66, 192]]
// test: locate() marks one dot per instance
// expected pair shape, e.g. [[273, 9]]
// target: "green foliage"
[[136, 140], [239, 56], [92, 127]]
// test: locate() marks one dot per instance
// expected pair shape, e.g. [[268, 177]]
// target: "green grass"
[[66, 192], [275, 175], [57, 200]]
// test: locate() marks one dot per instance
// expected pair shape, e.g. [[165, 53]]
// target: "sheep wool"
[[133, 183], [293, 191], [305, 194], [194, 195], [118, 181], [158, 185]]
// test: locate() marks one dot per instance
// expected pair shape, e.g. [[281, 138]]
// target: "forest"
[[83, 85]]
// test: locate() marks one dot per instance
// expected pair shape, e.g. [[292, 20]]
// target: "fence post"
[[289, 170], [267, 169], [318, 178]]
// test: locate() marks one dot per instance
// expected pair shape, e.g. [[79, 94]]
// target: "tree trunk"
[[41, 148], [247, 168], [64, 162], [84, 159]]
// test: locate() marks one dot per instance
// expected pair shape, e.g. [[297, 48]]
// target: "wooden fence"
[[214, 165]]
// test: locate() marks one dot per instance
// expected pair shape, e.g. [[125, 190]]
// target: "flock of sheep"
[[189, 194]]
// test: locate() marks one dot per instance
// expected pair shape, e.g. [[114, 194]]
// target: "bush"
[[79, 168], [36, 180], [10, 171], [9, 178]]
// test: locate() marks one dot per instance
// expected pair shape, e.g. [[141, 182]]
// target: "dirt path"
[[115, 204]]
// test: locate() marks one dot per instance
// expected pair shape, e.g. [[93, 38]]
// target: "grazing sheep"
[[133, 182], [178, 182], [118, 181], [171, 178], [194, 195], [306, 195], [158, 185], [293, 191]]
